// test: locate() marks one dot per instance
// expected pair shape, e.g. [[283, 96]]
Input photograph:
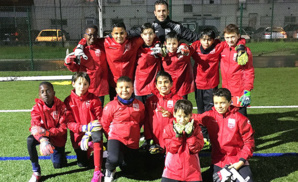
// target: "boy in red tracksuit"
[[178, 66], [231, 135], [121, 53], [86, 110], [183, 141], [95, 64], [236, 77], [48, 129], [148, 63], [159, 110], [121, 120]]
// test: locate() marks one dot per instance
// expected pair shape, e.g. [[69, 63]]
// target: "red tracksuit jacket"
[[180, 68], [147, 68], [206, 67], [236, 78], [182, 160], [96, 67], [121, 58], [231, 135], [53, 119], [154, 122], [123, 122], [84, 110]]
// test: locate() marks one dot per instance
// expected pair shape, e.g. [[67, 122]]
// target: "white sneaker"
[[109, 176], [36, 176]]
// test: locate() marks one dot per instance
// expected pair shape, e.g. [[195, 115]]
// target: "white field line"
[[35, 78], [252, 107]]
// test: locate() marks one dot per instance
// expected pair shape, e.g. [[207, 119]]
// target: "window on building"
[[58, 22], [290, 19], [187, 8], [113, 1], [137, 1], [211, 1]]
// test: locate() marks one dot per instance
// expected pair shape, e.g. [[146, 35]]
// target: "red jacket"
[[154, 122], [53, 119], [206, 67], [147, 68], [231, 135], [122, 58], [180, 68], [96, 67], [123, 122], [236, 78], [182, 160], [84, 110]]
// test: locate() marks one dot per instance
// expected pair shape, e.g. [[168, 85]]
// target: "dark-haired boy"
[[121, 120], [93, 62], [148, 63], [183, 140], [121, 52], [231, 135], [86, 110], [48, 129], [178, 66]]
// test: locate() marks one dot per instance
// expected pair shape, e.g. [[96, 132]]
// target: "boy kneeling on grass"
[[183, 140], [121, 120], [48, 130], [231, 136], [85, 130]]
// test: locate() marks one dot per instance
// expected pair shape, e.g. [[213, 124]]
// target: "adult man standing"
[[163, 24]]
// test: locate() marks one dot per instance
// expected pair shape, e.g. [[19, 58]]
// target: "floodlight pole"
[[30, 41], [100, 24]]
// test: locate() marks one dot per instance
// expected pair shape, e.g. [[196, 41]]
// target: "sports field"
[[276, 130]]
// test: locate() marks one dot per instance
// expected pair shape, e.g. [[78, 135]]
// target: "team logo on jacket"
[[231, 123], [234, 57], [97, 52], [136, 106], [55, 115], [170, 104], [212, 52], [87, 103]]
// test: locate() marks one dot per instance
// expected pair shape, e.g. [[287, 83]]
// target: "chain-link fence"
[[26, 25]]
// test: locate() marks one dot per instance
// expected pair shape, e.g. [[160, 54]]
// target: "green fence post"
[[61, 23], [272, 19], [30, 41], [170, 9]]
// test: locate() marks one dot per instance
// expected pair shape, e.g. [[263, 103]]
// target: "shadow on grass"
[[44, 178], [271, 131], [282, 126]]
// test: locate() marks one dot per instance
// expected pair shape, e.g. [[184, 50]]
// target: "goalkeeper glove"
[[156, 50], [45, 147], [70, 58], [85, 141], [189, 128], [183, 49], [155, 149], [223, 175], [245, 99], [242, 57], [38, 130], [92, 126], [178, 129], [79, 52]]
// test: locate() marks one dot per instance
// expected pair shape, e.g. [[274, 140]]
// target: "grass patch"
[[275, 131], [58, 52]]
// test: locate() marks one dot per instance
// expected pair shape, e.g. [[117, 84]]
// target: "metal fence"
[[20, 25]]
